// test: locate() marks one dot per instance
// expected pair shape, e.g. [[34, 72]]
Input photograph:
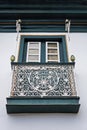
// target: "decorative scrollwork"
[[43, 80]]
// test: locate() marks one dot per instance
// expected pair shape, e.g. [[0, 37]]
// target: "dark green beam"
[[46, 17], [62, 104]]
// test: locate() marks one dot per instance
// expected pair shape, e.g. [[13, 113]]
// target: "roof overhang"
[[47, 14]]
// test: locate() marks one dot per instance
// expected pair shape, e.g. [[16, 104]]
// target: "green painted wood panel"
[[43, 39]]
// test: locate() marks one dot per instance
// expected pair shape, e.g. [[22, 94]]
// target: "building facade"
[[43, 78]]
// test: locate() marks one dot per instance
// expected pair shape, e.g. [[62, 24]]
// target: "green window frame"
[[62, 48]]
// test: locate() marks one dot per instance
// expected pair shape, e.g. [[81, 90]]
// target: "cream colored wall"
[[77, 46]]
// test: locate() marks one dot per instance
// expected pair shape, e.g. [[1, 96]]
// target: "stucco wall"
[[78, 47]]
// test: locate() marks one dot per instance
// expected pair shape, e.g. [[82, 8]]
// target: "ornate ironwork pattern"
[[43, 80]]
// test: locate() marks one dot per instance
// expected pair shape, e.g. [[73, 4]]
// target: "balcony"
[[48, 87]]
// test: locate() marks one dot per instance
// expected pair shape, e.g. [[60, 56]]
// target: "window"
[[33, 52], [52, 52], [43, 49]]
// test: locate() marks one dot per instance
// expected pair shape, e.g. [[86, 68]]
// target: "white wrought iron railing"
[[43, 80]]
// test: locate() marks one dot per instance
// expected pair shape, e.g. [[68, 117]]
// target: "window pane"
[[33, 57], [52, 44], [33, 51], [53, 57], [52, 50], [34, 45]]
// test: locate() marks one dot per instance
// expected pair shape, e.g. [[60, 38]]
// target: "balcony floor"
[[61, 104]]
